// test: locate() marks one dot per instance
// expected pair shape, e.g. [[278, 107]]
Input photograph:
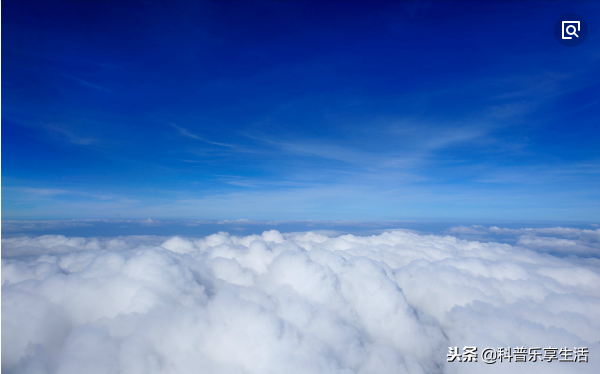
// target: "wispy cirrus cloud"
[[185, 132], [89, 84], [71, 136], [52, 192]]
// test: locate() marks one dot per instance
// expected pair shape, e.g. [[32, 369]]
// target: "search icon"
[[571, 32]]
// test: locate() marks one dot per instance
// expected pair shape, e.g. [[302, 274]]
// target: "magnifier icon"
[[570, 29]]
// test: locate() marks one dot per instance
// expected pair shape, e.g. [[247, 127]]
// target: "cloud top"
[[294, 303]]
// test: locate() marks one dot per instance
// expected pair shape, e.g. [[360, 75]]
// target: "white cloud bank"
[[561, 241], [289, 303]]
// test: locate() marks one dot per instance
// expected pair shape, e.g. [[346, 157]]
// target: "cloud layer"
[[293, 303], [560, 241]]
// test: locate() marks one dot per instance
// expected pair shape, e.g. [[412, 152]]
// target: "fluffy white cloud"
[[293, 303]]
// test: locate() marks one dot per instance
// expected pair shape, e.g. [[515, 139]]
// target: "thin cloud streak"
[[185, 132], [89, 84]]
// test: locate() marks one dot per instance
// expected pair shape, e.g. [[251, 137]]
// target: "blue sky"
[[299, 110]]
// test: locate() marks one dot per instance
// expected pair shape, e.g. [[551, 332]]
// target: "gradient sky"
[[299, 110]]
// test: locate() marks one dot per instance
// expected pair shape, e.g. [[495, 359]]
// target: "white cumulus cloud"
[[296, 302]]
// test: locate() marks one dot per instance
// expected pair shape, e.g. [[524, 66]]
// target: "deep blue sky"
[[299, 110]]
